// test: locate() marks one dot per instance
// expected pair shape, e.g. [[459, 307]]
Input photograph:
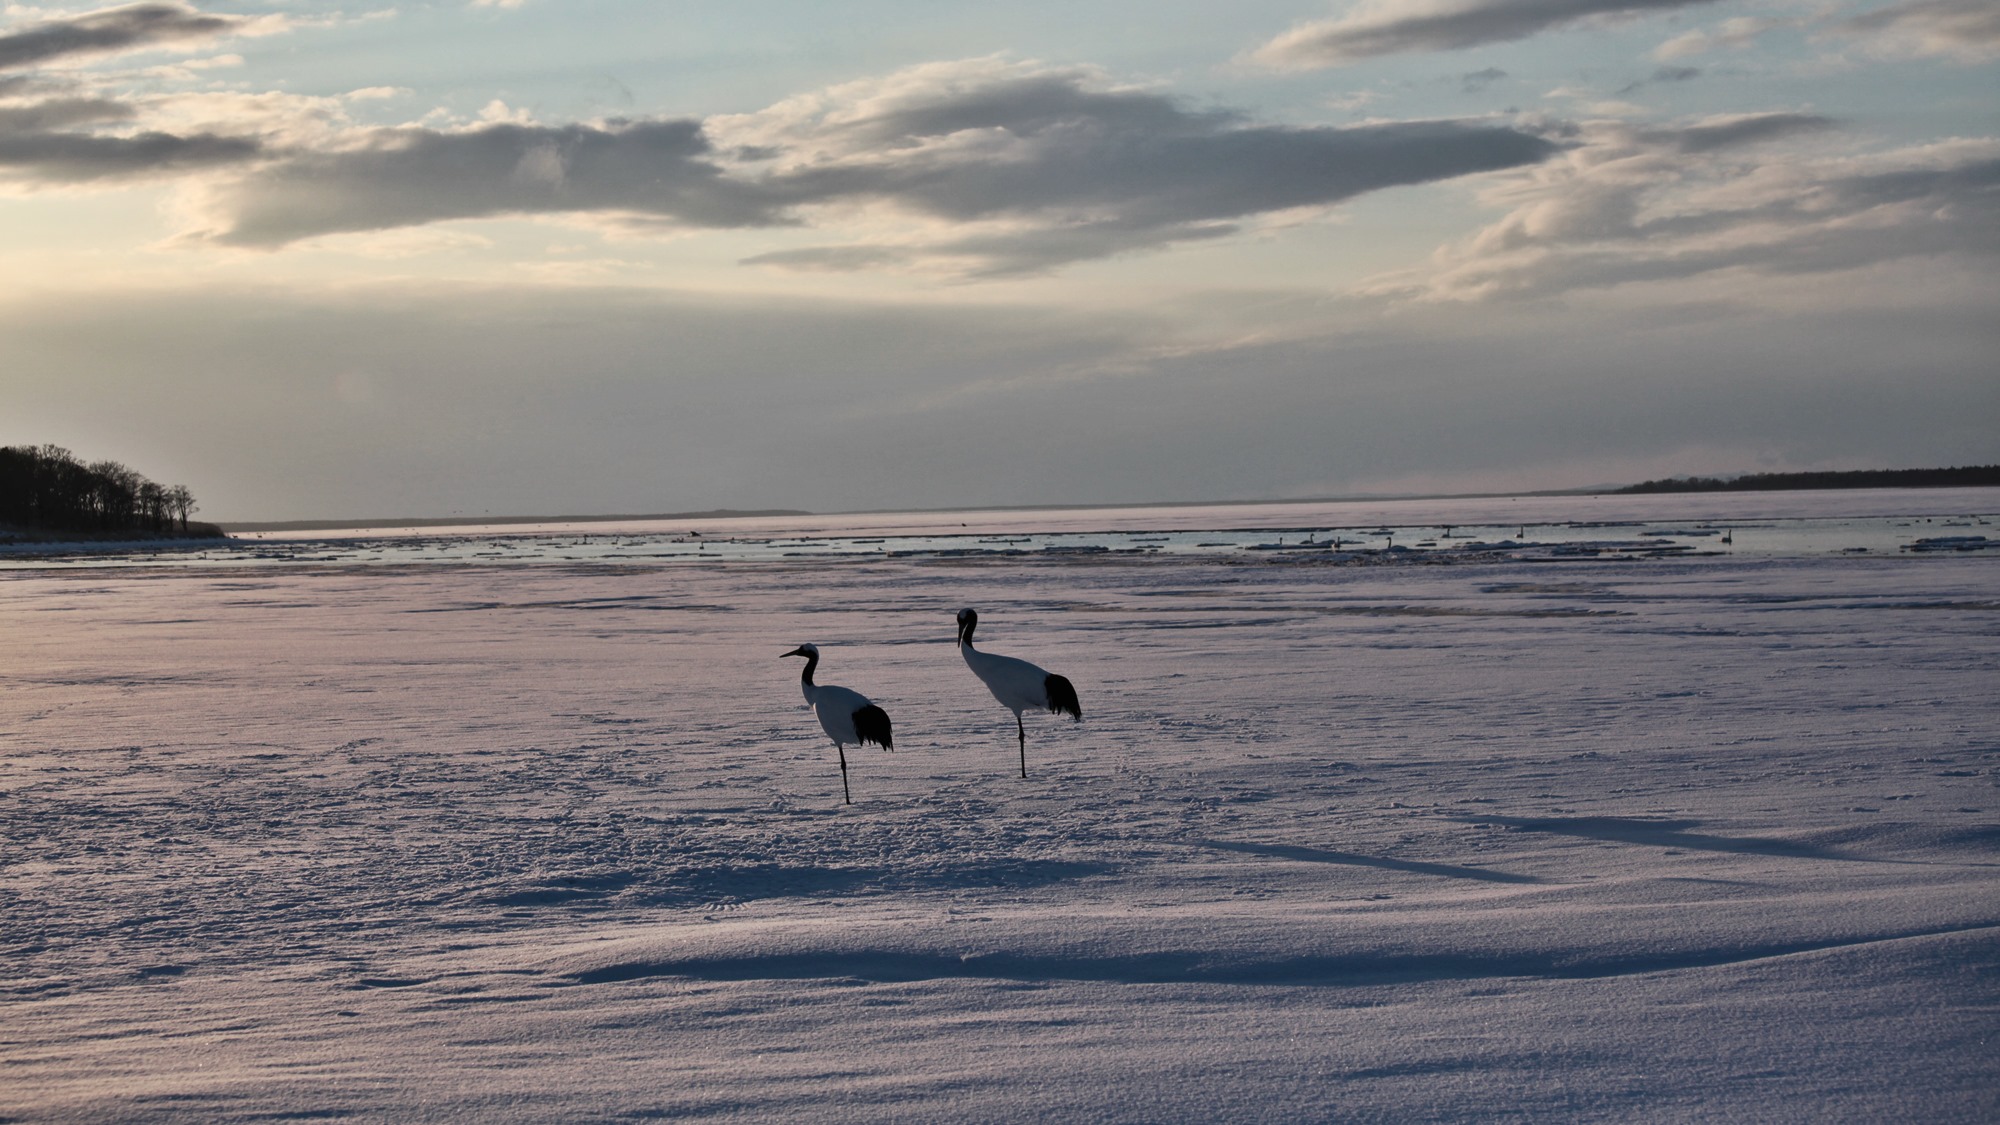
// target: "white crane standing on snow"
[[845, 715], [1017, 684]]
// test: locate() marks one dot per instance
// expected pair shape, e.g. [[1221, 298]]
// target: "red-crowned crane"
[[1017, 684], [844, 714]]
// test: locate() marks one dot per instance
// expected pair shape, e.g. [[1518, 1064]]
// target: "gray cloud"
[[1970, 186], [110, 31], [1142, 184], [1968, 30], [1648, 205], [62, 113], [1048, 167], [1480, 79], [1404, 26], [406, 177], [76, 158], [946, 99], [1662, 75], [1730, 132], [1027, 168]]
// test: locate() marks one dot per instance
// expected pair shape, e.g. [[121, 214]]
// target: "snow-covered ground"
[[1680, 839]]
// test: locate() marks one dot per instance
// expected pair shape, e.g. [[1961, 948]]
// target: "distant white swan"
[[844, 714], [1017, 684]]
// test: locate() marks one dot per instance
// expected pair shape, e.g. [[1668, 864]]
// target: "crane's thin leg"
[[1023, 733], [844, 794]]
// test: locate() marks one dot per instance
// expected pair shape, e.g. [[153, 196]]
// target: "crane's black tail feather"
[[1062, 697], [871, 724]]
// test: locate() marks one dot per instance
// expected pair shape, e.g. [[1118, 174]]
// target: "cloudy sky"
[[587, 256]]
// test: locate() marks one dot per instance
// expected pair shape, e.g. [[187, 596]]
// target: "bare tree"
[[152, 505], [182, 502], [115, 496]]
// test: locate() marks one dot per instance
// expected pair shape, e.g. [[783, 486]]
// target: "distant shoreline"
[[1971, 476]]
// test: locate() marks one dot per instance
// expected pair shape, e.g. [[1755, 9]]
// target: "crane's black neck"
[[812, 661], [967, 622]]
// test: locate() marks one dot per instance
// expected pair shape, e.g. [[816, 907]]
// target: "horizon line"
[[755, 513]]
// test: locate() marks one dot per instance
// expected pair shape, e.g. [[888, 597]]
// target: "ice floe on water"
[[1632, 836]]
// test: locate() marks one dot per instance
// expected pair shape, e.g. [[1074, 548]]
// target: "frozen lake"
[[1744, 525], [1611, 836]]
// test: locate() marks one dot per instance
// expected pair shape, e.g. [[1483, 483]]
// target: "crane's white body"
[[835, 706], [1017, 684], [844, 714]]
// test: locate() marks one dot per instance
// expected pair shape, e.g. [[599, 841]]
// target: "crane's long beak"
[[796, 652]]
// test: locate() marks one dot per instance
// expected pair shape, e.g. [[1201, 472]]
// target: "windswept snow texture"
[[1681, 839]]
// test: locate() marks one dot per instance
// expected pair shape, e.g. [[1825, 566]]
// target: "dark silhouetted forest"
[[1970, 476], [45, 488]]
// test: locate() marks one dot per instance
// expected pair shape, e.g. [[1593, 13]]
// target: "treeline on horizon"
[[45, 488], [1969, 476]]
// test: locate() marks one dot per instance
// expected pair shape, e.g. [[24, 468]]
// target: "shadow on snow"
[[1235, 966], [1349, 859]]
